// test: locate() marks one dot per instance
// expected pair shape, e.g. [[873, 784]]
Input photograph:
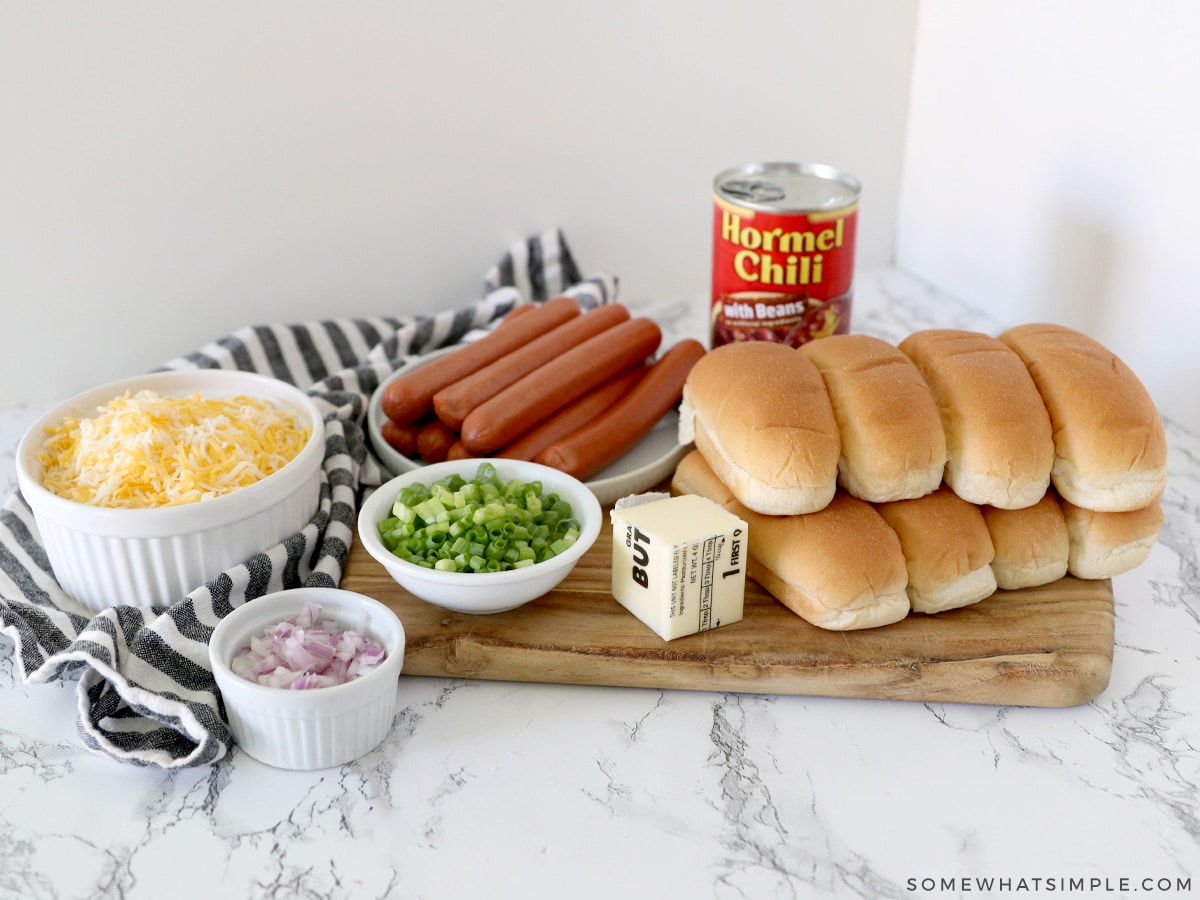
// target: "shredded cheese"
[[150, 450]]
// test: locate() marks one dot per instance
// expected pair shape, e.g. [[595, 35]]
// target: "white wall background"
[[172, 172], [1052, 173]]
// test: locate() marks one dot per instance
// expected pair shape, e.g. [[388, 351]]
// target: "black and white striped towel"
[[146, 694]]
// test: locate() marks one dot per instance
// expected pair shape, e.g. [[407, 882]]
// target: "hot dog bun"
[[999, 444], [893, 446], [1106, 544], [1110, 446], [840, 569], [947, 550], [1031, 544], [693, 475], [760, 415]]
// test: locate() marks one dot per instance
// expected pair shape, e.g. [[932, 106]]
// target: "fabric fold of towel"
[[146, 695]]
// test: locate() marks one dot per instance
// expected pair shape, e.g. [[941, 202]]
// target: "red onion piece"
[[306, 652]]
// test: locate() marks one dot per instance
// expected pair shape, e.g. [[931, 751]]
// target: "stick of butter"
[[679, 564]]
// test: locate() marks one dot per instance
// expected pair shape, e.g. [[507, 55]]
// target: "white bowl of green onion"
[[480, 536]]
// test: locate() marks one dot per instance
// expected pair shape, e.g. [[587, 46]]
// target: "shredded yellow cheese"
[[150, 450]]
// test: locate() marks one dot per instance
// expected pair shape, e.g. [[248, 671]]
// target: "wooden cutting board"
[[1047, 646]]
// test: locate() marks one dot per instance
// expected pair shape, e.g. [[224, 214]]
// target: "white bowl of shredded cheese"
[[148, 488]]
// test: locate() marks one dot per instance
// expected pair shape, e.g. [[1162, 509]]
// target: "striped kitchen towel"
[[146, 695]]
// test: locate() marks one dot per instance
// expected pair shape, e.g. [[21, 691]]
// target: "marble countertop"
[[525, 790]]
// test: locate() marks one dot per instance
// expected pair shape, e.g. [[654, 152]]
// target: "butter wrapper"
[[679, 563]]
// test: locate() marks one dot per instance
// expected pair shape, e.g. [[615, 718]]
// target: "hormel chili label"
[[783, 253]]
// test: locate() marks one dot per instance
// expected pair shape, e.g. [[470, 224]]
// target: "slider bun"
[[893, 446], [840, 568], [947, 550], [1031, 544], [760, 415], [1106, 544], [1109, 442], [998, 439]]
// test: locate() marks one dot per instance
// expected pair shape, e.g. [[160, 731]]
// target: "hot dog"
[[573, 416], [454, 402], [435, 440], [410, 396], [401, 438], [516, 312], [458, 451], [549, 388], [611, 434]]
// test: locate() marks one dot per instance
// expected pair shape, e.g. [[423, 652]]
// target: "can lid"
[[788, 187]]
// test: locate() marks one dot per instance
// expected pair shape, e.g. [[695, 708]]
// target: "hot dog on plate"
[[573, 416], [410, 397], [455, 402], [611, 434], [549, 388]]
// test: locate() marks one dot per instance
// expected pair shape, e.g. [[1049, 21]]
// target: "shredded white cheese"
[[150, 450]]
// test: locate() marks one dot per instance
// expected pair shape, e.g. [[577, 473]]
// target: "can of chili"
[[783, 252]]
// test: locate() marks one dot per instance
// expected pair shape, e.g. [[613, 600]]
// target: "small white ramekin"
[[152, 557], [316, 728]]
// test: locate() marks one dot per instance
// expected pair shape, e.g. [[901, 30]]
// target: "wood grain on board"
[[1048, 646]]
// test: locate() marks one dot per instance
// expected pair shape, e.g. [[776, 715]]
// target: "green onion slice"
[[481, 525]]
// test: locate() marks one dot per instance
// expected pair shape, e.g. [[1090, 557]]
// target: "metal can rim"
[[819, 170]]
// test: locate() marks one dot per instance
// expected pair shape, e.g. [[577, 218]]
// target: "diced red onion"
[[306, 652]]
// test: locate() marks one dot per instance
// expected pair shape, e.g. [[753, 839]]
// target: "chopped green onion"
[[482, 525]]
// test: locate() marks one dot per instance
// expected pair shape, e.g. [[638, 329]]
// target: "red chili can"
[[783, 253]]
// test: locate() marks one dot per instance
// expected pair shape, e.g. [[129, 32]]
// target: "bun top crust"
[[1107, 544], [1110, 445], [1031, 544], [843, 557], [767, 425], [999, 444], [944, 537], [893, 445], [947, 549]]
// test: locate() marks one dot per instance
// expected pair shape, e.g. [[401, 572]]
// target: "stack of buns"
[[879, 480]]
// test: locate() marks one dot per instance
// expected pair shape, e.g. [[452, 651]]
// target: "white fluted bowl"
[[320, 727], [153, 557]]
